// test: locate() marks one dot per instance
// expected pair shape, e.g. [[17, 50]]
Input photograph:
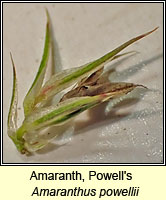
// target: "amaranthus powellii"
[[92, 90]]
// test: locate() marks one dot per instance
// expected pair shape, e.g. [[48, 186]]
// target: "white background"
[[83, 32]]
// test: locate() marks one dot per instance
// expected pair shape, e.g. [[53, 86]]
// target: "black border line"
[[83, 164]]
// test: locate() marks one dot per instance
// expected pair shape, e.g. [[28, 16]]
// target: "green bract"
[[92, 90]]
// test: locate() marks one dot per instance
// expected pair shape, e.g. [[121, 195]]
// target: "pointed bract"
[[12, 116], [37, 83], [67, 78]]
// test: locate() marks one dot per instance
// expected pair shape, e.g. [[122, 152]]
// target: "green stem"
[[20, 132], [19, 143]]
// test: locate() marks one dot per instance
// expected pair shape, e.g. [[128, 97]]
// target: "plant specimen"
[[91, 89]]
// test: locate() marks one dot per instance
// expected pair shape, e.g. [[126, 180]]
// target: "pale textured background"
[[84, 32]]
